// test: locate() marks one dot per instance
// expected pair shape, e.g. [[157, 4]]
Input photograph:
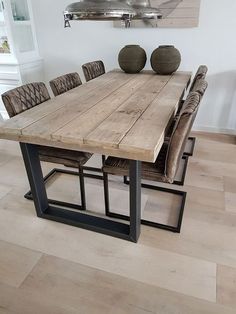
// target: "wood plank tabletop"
[[118, 114]]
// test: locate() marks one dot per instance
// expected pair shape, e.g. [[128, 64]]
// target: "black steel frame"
[[44, 210], [81, 174], [175, 229], [190, 153]]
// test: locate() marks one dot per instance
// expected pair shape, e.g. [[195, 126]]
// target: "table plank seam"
[[100, 103], [81, 112]]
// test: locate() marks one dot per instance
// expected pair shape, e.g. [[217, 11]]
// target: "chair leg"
[[193, 143], [82, 188], [175, 229]]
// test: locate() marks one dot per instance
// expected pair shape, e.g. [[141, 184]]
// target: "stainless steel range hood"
[[100, 10]]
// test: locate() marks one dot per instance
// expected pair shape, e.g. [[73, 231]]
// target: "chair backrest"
[[93, 69], [180, 135], [64, 83], [24, 97], [200, 87], [200, 74]]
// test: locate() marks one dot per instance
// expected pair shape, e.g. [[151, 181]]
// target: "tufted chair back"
[[24, 97], [200, 87], [180, 135], [200, 74], [64, 83], [93, 69]]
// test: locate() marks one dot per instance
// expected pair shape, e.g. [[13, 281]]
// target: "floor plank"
[[70, 286], [226, 285], [16, 263], [107, 275]]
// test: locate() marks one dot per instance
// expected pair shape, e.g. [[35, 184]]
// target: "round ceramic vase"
[[132, 59], [165, 60]]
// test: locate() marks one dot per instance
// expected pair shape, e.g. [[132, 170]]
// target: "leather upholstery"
[[65, 83], [180, 135], [200, 87], [167, 163], [150, 171], [93, 69], [200, 74], [64, 157], [25, 97]]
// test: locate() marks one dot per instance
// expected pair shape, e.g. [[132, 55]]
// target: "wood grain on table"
[[118, 114]]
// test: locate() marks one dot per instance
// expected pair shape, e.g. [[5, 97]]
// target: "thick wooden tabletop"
[[118, 114]]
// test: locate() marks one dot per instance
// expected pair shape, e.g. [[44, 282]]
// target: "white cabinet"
[[20, 62]]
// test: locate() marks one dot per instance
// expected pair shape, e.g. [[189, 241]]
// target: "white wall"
[[212, 43]]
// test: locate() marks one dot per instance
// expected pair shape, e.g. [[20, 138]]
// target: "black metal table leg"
[[135, 200], [35, 176], [97, 224]]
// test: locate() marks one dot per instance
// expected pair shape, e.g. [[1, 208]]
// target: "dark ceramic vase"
[[165, 60], [132, 59]]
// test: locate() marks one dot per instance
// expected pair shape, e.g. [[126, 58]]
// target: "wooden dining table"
[[117, 114]]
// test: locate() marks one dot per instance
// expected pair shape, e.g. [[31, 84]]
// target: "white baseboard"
[[214, 130]]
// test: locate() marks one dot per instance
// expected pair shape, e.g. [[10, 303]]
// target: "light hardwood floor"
[[50, 268]]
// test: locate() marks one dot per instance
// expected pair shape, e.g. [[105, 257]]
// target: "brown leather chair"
[[64, 83], [165, 168], [93, 69], [28, 96], [200, 74], [198, 85]]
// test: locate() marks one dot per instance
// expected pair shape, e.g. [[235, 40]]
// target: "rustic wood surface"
[[118, 114]]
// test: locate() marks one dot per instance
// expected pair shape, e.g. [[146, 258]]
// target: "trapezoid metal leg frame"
[[175, 229], [78, 219]]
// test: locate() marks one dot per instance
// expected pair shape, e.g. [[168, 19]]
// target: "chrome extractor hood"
[[100, 10], [144, 10]]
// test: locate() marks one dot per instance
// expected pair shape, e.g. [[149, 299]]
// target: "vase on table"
[[132, 59], [165, 60]]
